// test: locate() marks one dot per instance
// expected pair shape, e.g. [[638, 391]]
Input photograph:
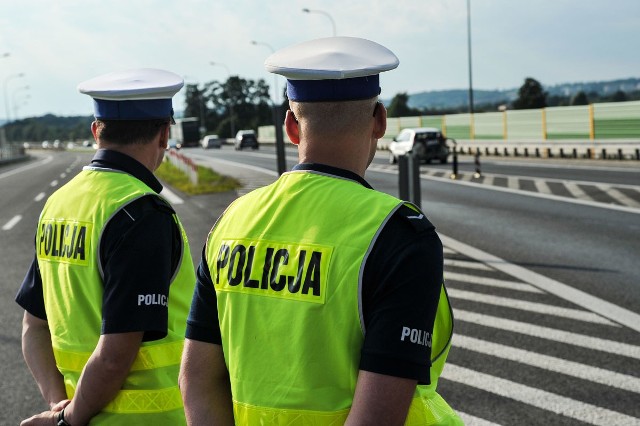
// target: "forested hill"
[[447, 99]]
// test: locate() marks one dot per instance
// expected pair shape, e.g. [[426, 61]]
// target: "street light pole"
[[322, 12], [6, 98], [17, 105], [231, 115], [13, 98], [469, 54], [275, 76], [277, 119]]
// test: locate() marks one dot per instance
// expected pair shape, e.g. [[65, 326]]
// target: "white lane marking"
[[39, 197], [447, 250], [606, 309], [465, 264], [27, 167], [551, 363], [470, 420], [626, 209], [473, 279], [541, 186], [54, 183], [576, 191], [566, 337], [537, 398], [513, 182], [488, 180], [63, 175], [240, 165], [541, 308], [12, 222], [618, 195], [171, 196]]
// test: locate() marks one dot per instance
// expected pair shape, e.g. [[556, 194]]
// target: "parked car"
[[426, 143], [174, 144], [246, 139], [211, 141]]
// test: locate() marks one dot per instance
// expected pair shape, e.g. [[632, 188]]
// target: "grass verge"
[[208, 180]]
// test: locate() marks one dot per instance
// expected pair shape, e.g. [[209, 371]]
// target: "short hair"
[[341, 117], [129, 132]]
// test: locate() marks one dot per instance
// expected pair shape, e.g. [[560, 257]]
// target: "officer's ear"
[[291, 127], [380, 121], [94, 130], [164, 136]]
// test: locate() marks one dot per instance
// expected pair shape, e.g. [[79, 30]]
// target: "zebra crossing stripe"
[[541, 308], [618, 195], [576, 191], [606, 309], [465, 264], [541, 186], [541, 332], [473, 279], [537, 398], [470, 420], [551, 363]]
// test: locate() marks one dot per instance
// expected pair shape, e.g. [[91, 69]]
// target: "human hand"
[[58, 406], [46, 418]]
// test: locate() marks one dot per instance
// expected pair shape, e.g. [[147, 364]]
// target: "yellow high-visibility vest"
[[67, 250], [288, 299]]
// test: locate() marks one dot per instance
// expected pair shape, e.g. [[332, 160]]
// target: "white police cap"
[[332, 69], [136, 94]]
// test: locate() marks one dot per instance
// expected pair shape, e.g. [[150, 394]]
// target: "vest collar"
[[106, 158], [330, 170]]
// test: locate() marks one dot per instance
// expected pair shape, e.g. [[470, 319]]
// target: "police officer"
[[107, 296], [320, 300]]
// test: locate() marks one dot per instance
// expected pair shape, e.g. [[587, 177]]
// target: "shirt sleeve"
[[401, 289], [138, 255], [30, 296], [202, 323]]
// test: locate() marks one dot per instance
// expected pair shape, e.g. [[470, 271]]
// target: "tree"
[[619, 96], [530, 95], [579, 98], [399, 106], [231, 105]]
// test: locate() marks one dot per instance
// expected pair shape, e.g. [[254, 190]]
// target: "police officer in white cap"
[[107, 295], [320, 300]]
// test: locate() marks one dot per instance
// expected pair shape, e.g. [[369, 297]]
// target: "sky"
[[53, 45]]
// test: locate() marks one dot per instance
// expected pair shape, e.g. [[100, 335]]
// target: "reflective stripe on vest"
[[148, 358], [146, 401]]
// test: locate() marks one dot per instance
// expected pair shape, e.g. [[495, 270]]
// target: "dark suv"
[[246, 139]]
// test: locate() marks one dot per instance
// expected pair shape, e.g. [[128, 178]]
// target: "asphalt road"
[[540, 266]]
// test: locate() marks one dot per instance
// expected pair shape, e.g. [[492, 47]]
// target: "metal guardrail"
[[11, 152]]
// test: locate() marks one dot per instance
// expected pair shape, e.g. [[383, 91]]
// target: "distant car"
[[86, 143], [57, 144], [46, 144], [246, 139], [174, 144], [211, 141], [426, 143]]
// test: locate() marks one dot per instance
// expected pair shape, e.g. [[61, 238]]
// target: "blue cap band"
[[348, 89], [147, 109]]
